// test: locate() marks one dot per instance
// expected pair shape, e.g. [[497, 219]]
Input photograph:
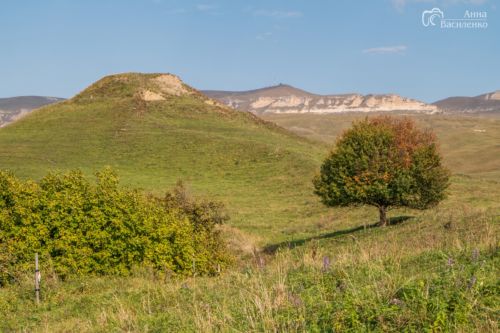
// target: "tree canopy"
[[383, 162]]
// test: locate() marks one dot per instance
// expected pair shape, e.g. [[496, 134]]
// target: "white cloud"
[[398, 49], [278, 13]]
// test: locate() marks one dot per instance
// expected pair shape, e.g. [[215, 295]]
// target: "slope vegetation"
[[155, 130]]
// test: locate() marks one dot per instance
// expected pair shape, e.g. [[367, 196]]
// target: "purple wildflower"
[[295, 299], [326, 263], [472, 282], [397, 302], [450, 262], [475, 255]]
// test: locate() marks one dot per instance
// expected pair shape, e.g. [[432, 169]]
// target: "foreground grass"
[[421, 274]]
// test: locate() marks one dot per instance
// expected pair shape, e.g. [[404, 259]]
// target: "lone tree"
[[384, 162]]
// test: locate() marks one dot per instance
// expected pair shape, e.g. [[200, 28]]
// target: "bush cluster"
[[82, 227]]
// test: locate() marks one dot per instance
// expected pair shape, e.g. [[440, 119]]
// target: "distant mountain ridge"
[[12, 108], [287, 99], [488, 102], [284, 98]]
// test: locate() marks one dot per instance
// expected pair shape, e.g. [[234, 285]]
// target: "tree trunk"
[[383, 216]]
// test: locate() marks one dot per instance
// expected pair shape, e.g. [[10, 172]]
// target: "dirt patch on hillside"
[[213, 102], [171, 85], [148, 95]]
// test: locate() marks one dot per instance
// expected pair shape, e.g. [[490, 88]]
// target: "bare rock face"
[[287, 99], [171, 84], [149, 96], [164, 85], [495, 96]]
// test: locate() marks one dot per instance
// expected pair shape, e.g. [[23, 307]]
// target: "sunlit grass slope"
[[262, 172]]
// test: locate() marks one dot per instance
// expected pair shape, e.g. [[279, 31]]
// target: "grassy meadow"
[[415, 276], [300, 267], [469, 144]]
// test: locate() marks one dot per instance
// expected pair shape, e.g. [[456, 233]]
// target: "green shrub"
[[84, 228], [204, 216]]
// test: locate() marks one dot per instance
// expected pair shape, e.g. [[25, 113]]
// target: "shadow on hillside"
[[271, 249]]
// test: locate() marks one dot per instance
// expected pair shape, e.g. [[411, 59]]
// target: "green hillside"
[[154, 131], [319, 270]]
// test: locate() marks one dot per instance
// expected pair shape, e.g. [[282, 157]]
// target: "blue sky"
[[58, 47]]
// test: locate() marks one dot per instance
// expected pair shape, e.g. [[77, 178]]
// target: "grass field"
[[417, 275], [301, 267], [470, 144]]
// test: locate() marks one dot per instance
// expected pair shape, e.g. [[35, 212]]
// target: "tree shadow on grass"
[[272, 248]]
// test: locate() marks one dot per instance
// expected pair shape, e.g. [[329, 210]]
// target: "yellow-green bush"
[[79, 227]]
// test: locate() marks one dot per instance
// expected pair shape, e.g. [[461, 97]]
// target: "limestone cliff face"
[[492, 96], [287, 99]]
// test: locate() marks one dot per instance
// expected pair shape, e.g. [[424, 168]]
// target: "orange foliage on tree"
[[384, 162]]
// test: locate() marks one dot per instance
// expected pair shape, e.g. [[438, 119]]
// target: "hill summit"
[[148, 87]]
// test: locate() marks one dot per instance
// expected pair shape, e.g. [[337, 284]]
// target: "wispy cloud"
[[264, 35], [177, 11], [203, 7], [398, 49], [278, 13], [400, 4]]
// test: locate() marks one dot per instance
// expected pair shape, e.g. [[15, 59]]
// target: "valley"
[[294, 258], [250, 166]]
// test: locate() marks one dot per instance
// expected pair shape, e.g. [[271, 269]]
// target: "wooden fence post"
[[37, 280]]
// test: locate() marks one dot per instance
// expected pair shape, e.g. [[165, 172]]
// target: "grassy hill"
[[155, 133], [320, 269]]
